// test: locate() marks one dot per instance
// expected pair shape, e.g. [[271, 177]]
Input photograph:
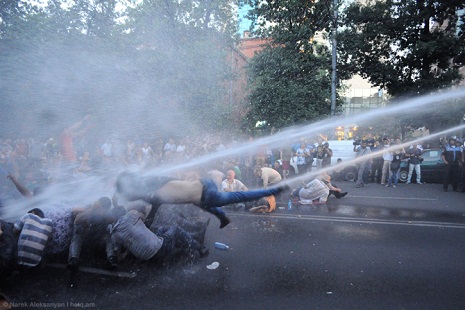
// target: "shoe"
[[419, 183], [382, 183], [387, 185], [394, 186], [73, 264], [111, 263], [203, 251], [343, 194], [408, 182], [224, 221]]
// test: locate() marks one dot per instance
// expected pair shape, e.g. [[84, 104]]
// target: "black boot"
[[224, 221]]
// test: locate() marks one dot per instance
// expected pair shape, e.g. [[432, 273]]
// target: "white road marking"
[[389, 197], [360, 220]]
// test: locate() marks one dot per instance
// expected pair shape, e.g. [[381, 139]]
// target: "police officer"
[[452, 155]]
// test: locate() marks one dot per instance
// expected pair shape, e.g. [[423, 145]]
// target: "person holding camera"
[[415, 159], [319, 153], [327, 154]]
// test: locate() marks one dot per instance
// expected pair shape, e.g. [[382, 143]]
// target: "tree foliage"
[[407, 47], [158, 61], [288, 88], [291, 79]]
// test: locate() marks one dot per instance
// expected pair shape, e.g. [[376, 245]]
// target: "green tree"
[[407, 47], [290, 81], [288, 88], [183, 47], [164, 61]]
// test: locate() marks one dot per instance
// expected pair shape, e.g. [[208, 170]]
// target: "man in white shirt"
[[230, 184]]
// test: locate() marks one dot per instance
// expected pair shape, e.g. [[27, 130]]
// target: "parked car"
[[432, 167]]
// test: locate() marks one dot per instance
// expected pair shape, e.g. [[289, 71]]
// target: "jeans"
[[417, 171], [174, 236], [212, 199], [361, 173], [386, 171], [394, 177], [79, 236]]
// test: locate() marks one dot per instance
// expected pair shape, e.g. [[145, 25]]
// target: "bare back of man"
[[180, 192], [203, 193]]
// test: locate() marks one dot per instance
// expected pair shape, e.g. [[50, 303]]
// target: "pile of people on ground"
[[160, 219]]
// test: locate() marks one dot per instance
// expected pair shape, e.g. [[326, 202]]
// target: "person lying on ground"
[[202, 193], [60, 215], [333, 190], [90, 224], [264, 205], [317, 191], [130, 233], [34, 232]]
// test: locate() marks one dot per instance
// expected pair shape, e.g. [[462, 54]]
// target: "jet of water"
[[85, 191]]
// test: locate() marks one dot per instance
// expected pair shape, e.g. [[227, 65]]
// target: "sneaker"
[[408, 182], [387, 185], [419, 183], [394, 186]]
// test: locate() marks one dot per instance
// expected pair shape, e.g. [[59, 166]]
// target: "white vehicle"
[[343, 149]]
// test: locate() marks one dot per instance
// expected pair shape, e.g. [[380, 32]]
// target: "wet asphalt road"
[[377, 248]]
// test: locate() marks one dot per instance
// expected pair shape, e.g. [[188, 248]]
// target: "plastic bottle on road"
[[289, 205], [221, 246]]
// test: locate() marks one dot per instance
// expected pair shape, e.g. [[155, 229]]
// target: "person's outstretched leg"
[[212, 199], [224, 198]]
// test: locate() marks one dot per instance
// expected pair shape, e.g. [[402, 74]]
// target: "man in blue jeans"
[[202, 193], [130, 233]]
